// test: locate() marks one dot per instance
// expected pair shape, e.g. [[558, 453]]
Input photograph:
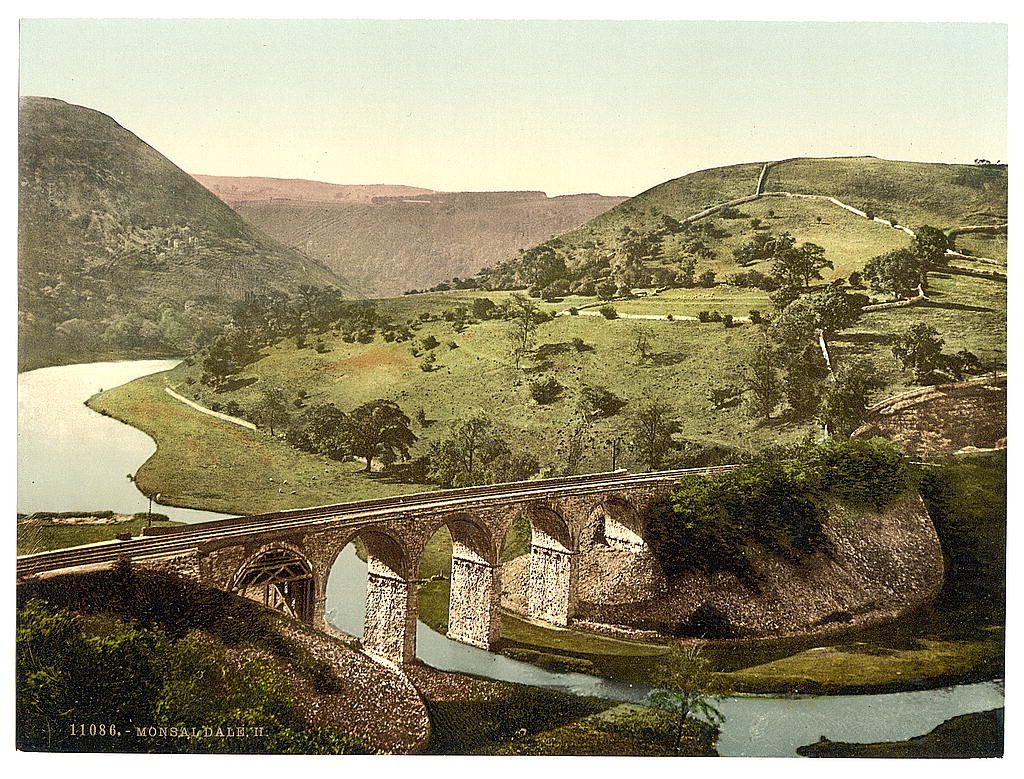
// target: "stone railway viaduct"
[[283, 559]]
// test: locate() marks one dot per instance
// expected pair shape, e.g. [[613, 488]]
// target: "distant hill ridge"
[[387, 239], [243, 189], [112, 232]]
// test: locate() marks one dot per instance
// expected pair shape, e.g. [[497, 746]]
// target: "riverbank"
[[970, 735], [473, 716]]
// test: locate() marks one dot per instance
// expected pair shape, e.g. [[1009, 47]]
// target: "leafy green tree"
[[706, 279], [798, 265], [897, 273], [805, 374], [474, 453], [522, 314], [836, 309], [652, 424], [929, 245], [687, 685], [605, 289], [321, 429], [228, 354], [378, 430], [845, 399], [270, 409], [762, 379], [919, 348], [576, 439]]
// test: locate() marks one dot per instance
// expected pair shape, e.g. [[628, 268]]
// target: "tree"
[[845, 399], [227, 355], [688, 685], [577, 436], [474, 453], [897, 273], [836, 310], [522, 316], [320, 429], [270, 409], [706, 279], [796, 266], [653, 425], [378, 430], [919, 348], [762, 379], [929, 245], [805, 372], [640, 342], [605, 289]]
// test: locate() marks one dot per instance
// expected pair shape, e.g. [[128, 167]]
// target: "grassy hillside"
[[109, 230], [386, 248], [914, 193], [647, 240]]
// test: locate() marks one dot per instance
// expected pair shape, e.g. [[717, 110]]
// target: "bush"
[[609, 312], [573, 311], [715, 317], [708, 622], [703, 316], [755, 316], [546, 391], [727, 320]]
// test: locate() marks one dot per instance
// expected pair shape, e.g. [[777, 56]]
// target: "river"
[[70, 457]]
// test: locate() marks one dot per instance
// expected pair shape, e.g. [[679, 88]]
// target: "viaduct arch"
[[283, 559]]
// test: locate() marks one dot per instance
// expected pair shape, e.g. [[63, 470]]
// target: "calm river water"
[[70, 457]]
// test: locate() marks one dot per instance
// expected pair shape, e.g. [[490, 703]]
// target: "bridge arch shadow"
[[616, 523]]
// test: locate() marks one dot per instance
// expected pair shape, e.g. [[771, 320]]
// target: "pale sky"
[[610, 107]]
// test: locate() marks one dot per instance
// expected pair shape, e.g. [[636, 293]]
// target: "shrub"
[[609, 312], [727, 320], [708, 622], [704, 316], [546, 391], [755, 316], [573, 311], [715, 317]]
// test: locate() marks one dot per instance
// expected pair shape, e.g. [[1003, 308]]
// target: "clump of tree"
[[896, 274], [129, 675], [652, 425], [779, 503], [919, 349], [378, 430], [475, 452]]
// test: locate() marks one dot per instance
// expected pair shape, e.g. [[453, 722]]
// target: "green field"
[[990, 245], [39, 535]]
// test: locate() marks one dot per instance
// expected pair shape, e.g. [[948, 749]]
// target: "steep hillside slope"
[[108, 228], [404, 242], [234, 190]]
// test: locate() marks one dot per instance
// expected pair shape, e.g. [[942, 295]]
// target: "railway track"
[[189, 538]]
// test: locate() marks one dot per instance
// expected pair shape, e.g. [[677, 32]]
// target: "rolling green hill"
[[112, 234], [646, 240], [387, 245]]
